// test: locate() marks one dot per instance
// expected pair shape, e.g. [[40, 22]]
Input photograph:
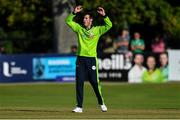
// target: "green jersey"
[[164, 71], [138, 42], [88, 39], [153, 77]]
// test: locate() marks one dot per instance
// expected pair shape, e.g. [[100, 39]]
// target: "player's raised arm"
[[69, 20], [108, 23]]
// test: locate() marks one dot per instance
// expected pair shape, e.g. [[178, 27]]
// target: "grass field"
[[56, 100]]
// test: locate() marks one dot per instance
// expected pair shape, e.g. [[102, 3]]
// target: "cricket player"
[[87, 64]]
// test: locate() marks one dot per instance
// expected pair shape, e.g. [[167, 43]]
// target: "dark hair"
[[74, 46], [88, 12]]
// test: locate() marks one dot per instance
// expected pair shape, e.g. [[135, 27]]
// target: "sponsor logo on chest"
[[88, 34]]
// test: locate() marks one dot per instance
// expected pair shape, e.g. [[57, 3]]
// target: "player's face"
[[87, 21], [151, 62]]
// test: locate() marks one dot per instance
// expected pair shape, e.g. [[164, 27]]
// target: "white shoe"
[[103, 108], [78, 110]]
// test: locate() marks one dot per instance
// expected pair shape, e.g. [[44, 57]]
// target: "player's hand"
[[101, 11], [78, 8]]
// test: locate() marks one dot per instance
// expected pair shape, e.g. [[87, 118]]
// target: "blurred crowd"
[[149, 71], [151, 66], [124, 43]]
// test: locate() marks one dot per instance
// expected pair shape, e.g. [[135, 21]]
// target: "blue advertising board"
[[54, 68], [15, 68], [33, 67]]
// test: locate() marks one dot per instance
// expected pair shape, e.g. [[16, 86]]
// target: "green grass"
[[56, 100]]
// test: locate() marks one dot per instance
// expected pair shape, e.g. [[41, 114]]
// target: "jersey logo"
[[91, 35], [93, 67], [88, 34]]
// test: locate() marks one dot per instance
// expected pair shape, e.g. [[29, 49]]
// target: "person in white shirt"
[[135, 73]]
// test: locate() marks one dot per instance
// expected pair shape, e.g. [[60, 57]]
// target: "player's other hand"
[[101, 11], [78, 8]]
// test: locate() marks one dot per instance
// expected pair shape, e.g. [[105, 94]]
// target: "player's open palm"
[[101, 11], [78, 9]]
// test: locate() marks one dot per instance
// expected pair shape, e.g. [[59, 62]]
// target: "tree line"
[[27, 25]]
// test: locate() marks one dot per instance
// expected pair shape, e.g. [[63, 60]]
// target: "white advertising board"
[[174, 65]]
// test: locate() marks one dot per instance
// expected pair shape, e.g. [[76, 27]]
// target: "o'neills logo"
[[10, 69], [115, 62]]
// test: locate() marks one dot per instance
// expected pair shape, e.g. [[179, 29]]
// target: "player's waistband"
[[86, 57]]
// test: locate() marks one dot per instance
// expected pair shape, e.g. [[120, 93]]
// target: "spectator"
[[122, 42], [135, 73], [164, 65], [73, 49], [158, 45], [1, 50], [137, 45], [153, 74]]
